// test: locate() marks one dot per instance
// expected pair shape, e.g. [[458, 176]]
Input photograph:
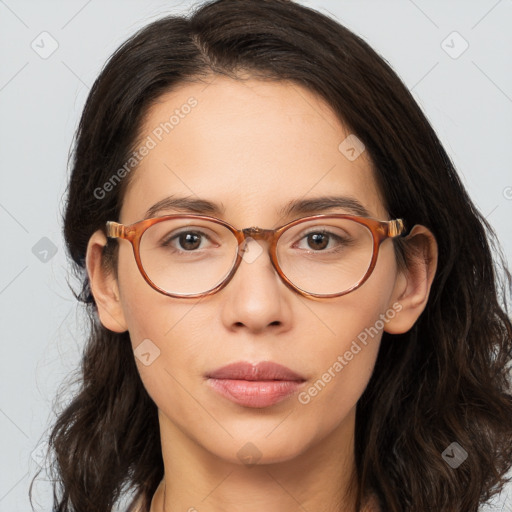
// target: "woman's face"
[[251, 148]]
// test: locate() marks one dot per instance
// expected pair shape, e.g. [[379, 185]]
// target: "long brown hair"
[[445, 380]]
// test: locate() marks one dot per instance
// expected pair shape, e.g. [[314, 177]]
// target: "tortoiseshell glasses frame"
[[380, 231]]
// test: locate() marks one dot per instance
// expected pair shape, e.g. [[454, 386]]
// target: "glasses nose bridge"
[[259, 234]]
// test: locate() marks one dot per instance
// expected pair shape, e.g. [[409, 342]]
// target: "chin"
[[259, 449]]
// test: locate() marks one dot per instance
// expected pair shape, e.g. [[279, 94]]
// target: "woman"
[[293, 299]]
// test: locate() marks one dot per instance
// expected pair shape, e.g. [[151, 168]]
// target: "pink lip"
[[260, 385]]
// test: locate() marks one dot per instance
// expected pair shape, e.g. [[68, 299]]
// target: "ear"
[[104, 286], [413, 284]]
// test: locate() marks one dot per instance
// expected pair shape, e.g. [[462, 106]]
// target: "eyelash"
[[342, 241]]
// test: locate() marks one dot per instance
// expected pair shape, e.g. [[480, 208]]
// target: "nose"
[[256, 298]]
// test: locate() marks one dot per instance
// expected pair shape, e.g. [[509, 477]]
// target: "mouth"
[[260, 385]]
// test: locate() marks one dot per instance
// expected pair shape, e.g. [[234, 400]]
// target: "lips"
[[265, 370], [260, 385]]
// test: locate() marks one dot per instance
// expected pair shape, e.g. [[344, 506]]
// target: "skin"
[[252, 146]]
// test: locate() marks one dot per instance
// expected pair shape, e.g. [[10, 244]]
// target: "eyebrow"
[[185, 205], [294, 207], [320, 204]]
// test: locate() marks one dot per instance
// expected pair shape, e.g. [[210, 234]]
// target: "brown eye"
[[189, 241], [317, 241]]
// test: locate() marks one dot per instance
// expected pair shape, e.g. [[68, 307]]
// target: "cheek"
[[137, 298], [168, 336], [345, 354], [148, 313], [344, 360]]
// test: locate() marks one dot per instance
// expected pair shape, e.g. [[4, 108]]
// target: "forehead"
[[250, 146]]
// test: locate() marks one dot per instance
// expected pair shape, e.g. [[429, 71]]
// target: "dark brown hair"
[[445, 380]]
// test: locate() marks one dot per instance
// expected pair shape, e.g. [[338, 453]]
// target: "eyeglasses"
[[187, 256]]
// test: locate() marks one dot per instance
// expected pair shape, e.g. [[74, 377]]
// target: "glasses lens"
[[325, 256], [187, 256], [192, 256]]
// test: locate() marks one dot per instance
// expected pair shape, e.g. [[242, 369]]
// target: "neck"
[[318, 478]]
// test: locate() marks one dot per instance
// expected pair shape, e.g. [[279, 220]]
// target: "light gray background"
[[468, 99]]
